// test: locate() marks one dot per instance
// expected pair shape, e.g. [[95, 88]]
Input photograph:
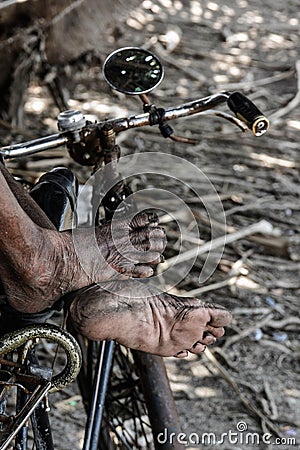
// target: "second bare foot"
[[137, 315]]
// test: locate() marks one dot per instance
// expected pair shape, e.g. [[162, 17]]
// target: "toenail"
[[152, 216], [183, 352], [197, 344]]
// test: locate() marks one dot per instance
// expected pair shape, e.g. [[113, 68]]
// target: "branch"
[[247, 403], [263, 227], [292, 104]]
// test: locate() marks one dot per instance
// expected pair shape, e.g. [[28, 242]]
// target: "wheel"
[[27, 376], [138, 401]]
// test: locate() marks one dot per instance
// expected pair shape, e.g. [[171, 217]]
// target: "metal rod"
[[93, 398], [105, 373], [34, 146], [102, 372], [120, 124], [41, 426], [187, 109], [26, 412], [159, 399], [21, 437]]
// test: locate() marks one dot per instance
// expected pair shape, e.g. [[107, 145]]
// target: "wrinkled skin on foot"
[[126, 247], [39, 265], [147, 319]]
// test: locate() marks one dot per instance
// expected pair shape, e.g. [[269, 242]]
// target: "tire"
[[27, 376]]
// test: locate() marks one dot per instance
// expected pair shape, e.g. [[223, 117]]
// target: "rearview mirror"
[[133, 70]]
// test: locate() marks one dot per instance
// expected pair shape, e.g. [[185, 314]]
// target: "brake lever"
[[213, 112], [156, 116], [184, 140]]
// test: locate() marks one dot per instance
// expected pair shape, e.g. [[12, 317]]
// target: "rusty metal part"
[[159, 399], [12, 341]]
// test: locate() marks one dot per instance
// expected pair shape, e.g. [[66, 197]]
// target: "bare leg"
[[139, 316], [26, 202], [38, 265]]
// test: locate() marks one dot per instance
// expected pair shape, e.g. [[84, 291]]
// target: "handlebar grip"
[[246, 110]]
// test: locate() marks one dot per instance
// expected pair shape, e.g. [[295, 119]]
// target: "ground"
[[249, 382]]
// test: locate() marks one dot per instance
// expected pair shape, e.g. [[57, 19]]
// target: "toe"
[[220, 317], [144, 219], [208, 339], [197, 348], [140, 257], [182, 354], [157, 239], [149, 239], [215, 331], [142, 271]]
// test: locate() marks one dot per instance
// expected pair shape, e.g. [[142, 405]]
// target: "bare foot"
[[137, 315], [39, 265]]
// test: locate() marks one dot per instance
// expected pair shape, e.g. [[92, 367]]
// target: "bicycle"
[[130, 402]]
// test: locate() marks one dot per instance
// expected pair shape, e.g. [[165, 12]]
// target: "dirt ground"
[[248, 384]]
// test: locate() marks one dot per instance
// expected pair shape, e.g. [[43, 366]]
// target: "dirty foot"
[[137, 315], [39, 265]]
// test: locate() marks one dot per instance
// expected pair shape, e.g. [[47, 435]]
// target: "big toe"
[[220, 316]]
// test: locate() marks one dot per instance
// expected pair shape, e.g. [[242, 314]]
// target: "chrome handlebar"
[[73, 125]]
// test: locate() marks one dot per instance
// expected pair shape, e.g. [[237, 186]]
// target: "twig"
[[248, 311], [263, 227], [292, 104], [284, 322], [230, 279], [75, 4], [270, 397], [247, 403], [273, 284], [279, 245], [271, 161], [281, 348], [268, 262], [210, 287], [232, 339], [189, 71], [255, 83], [6, 3], [22, 131], [259, 203]]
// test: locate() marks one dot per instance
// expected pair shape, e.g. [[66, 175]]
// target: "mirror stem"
[[145, 99]]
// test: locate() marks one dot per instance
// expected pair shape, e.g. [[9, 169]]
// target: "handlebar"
[[34, 146], [74, 128]]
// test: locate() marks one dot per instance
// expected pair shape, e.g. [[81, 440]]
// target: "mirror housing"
[[132, 70]]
